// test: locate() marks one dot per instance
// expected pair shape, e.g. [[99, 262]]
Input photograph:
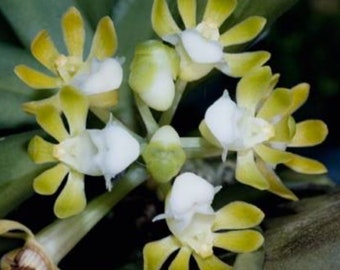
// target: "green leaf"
[[95, 10], [13, 92], [16, 171], [38, 15], [308, 238]]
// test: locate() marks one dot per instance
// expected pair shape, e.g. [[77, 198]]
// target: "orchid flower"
[[201, 46], [98, 77], [79, 152], [197, 228], [259, 126]]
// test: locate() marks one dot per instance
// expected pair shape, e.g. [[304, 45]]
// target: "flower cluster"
[[258, 126], [81, 85]]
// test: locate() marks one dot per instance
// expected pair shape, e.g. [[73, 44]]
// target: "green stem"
[[148, 119], [167, 116], [196, 147], [61, 236]]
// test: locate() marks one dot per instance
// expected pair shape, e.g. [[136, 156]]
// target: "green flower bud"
[[153, 70], [164, 155]]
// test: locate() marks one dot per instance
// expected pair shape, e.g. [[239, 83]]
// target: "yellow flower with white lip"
[[260, 126], [201, 46], [98, 77], [79, 151], [197, 228]]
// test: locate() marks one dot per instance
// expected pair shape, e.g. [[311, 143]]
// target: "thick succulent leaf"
[[93, 11], [13, 92], [239, 241], [16, 181], [20, 14], [156, 253], [237, 215], [308, 238]]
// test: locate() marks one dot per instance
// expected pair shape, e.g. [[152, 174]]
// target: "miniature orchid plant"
[[258, 126]]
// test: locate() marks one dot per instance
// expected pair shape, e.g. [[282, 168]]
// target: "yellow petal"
[[277, 105], [187, 9], [275, 184], [243, 32], [309, 133], [50, 120], [155, 253], [300, 94], [253, 87], [104, 100], [237, 215], [181, 261], [44, 50], [36, 79], [72, 199], [75, 107], [247, 171], [284, 130], [270, 155], [104, 42], [48, 182], [40, 150], [239, 241], [210, 263], [242, 63], [217, 11], [74, 32], [305, 165], [162, 21]]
